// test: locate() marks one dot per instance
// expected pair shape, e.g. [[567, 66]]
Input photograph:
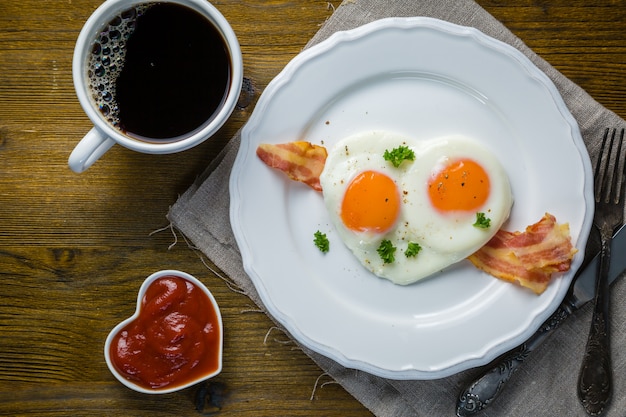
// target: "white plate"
[[425, 78]]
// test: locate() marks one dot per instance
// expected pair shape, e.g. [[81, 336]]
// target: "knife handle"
[[483, 391], [595, 378]]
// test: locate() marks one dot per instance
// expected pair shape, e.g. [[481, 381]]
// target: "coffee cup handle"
[[89, 150]]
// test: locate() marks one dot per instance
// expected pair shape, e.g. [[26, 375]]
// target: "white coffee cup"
[[104, 135]]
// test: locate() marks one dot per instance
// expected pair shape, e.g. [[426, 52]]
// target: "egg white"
[[445, 239]]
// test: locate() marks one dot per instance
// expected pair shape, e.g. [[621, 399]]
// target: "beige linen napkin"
[[546, 383]]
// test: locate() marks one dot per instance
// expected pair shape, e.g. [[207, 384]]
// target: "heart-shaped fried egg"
[[441, 203]]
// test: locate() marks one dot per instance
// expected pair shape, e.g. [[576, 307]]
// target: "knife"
[[482, 392]]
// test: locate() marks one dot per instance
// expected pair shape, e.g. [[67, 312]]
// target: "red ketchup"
[[174, 340]]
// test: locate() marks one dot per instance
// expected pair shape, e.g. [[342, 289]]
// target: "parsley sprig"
[[321, 241], [398, 155], [482, 221], [412, 249], [386, 250]]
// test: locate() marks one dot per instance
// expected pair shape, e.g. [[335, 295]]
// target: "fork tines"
[[607, 178]]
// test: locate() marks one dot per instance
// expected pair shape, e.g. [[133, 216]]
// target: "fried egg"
[[425, 213]]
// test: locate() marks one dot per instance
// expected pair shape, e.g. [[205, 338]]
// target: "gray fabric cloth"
[[546, 384]]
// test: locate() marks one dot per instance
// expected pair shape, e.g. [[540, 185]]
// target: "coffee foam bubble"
[[107, 58]]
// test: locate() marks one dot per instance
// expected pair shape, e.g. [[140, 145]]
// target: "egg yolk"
[[462, 185], [371, 203]]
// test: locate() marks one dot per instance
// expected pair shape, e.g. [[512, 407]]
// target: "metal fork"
[[595, 378]]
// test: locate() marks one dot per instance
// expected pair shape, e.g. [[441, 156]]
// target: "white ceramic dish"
[[142, 291], [424, 78]]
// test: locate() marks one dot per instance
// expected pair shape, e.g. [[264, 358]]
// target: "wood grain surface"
[[75, 248]]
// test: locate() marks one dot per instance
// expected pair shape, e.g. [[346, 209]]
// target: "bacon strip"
[[301, 161], [528, 258]]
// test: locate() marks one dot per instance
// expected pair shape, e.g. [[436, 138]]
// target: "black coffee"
[[159, 71]]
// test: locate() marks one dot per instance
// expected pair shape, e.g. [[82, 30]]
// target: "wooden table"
[[75, 248]]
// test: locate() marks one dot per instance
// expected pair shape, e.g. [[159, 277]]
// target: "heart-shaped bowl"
[[174, 339]]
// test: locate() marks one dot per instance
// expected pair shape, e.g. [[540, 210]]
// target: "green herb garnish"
[[412, 250], [386, 251], [321, 241], [399, 154], [482, 222]]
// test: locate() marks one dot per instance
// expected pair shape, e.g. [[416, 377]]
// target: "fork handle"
[[482, 392], [595, 378]]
